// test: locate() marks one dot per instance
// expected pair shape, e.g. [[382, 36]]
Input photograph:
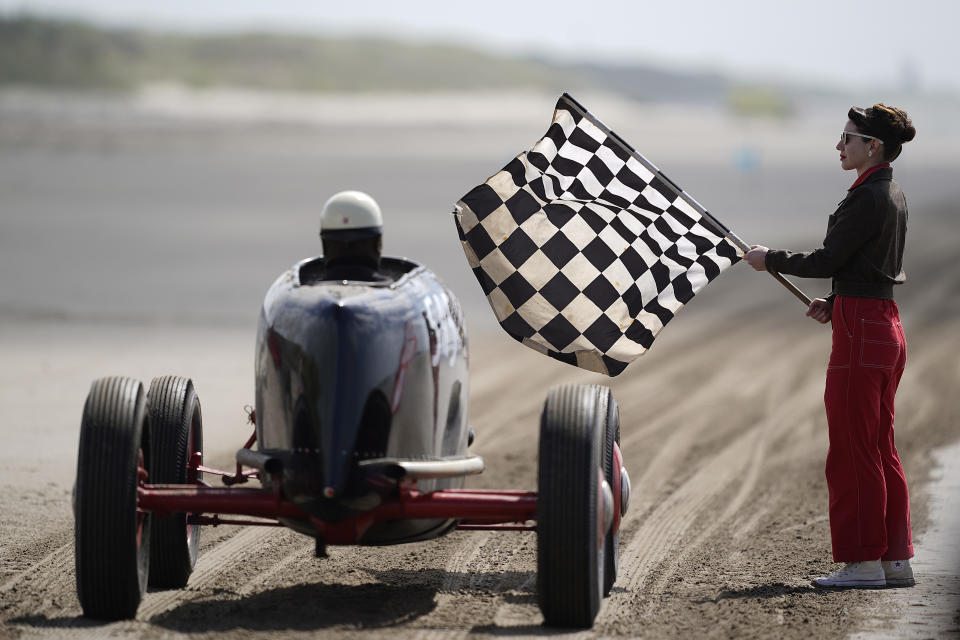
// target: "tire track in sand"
[[797, 408], [664, 529], [52, 566], [208, 571], [302, 551]]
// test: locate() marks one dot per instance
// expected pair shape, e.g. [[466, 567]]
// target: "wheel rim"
[[141, 514], [616, 476], [601, 527], [193, 474]]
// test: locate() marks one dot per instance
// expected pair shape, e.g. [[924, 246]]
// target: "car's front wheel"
[[111, 536], [572, 505]]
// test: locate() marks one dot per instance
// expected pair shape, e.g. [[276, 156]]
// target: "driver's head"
[[351, 226]]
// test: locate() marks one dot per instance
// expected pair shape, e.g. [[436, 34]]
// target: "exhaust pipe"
[[257, 460]]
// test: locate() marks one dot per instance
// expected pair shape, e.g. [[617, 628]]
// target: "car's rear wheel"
[[570, 506], [177, 435], [111, 537]]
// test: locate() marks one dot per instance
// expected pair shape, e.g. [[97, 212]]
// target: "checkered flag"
[[584, 249]]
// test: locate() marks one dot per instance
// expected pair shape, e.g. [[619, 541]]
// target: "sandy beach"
[[137, 237]]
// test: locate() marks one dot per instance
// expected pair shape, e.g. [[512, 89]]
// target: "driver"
[[351, 227]]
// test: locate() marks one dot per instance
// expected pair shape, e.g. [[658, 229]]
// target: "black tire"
[[111, 540], [177, 432], [611, 546], [570, 565]]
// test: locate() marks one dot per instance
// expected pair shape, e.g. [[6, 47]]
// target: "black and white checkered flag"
[[584, 249]]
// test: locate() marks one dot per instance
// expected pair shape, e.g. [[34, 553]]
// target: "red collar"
[[866, 174]]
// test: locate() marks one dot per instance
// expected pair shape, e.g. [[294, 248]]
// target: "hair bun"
[[896, 121], [909, 132]]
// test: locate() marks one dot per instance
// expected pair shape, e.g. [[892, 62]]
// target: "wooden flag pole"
[[743, 246], [792, 288]]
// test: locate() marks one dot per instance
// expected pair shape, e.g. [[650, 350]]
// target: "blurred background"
[[161, 163]]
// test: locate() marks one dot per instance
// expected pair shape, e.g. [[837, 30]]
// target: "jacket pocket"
[[880, 344]]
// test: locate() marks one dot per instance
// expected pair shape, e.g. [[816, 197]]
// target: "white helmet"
[[351, 211]]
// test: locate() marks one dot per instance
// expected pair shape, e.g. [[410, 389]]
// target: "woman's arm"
[[854, 223], [820, 309]]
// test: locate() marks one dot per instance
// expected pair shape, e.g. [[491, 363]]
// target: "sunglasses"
[[845, 137]]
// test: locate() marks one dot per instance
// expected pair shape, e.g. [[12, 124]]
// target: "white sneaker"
[[898, 573], [854, 574]]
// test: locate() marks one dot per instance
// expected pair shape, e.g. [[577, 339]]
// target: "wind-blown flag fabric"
[[583, 252]]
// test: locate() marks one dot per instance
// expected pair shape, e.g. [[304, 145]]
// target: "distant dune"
[[65, 53]]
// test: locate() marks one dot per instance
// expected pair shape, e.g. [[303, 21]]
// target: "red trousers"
[[869, 502]]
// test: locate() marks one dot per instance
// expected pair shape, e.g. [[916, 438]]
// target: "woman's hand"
[[820, 310], [757, 257]]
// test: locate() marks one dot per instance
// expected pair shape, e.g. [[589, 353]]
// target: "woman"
[[863, 254]]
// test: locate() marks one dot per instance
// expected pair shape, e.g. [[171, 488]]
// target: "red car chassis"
[[473, 508]]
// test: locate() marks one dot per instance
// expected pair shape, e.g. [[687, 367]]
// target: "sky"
[[856, 44]]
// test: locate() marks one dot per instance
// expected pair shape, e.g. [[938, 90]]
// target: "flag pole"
[[727, 233]]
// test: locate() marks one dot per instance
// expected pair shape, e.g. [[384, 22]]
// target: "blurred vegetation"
[[35, 51], [72, 54], [759, 101], [65, 53]]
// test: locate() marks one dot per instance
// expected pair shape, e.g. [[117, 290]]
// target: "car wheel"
[[611, 546], [177, 433], [570, 506], [111, 538]]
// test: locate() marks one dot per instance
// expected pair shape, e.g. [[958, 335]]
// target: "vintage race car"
[[362, 439]]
